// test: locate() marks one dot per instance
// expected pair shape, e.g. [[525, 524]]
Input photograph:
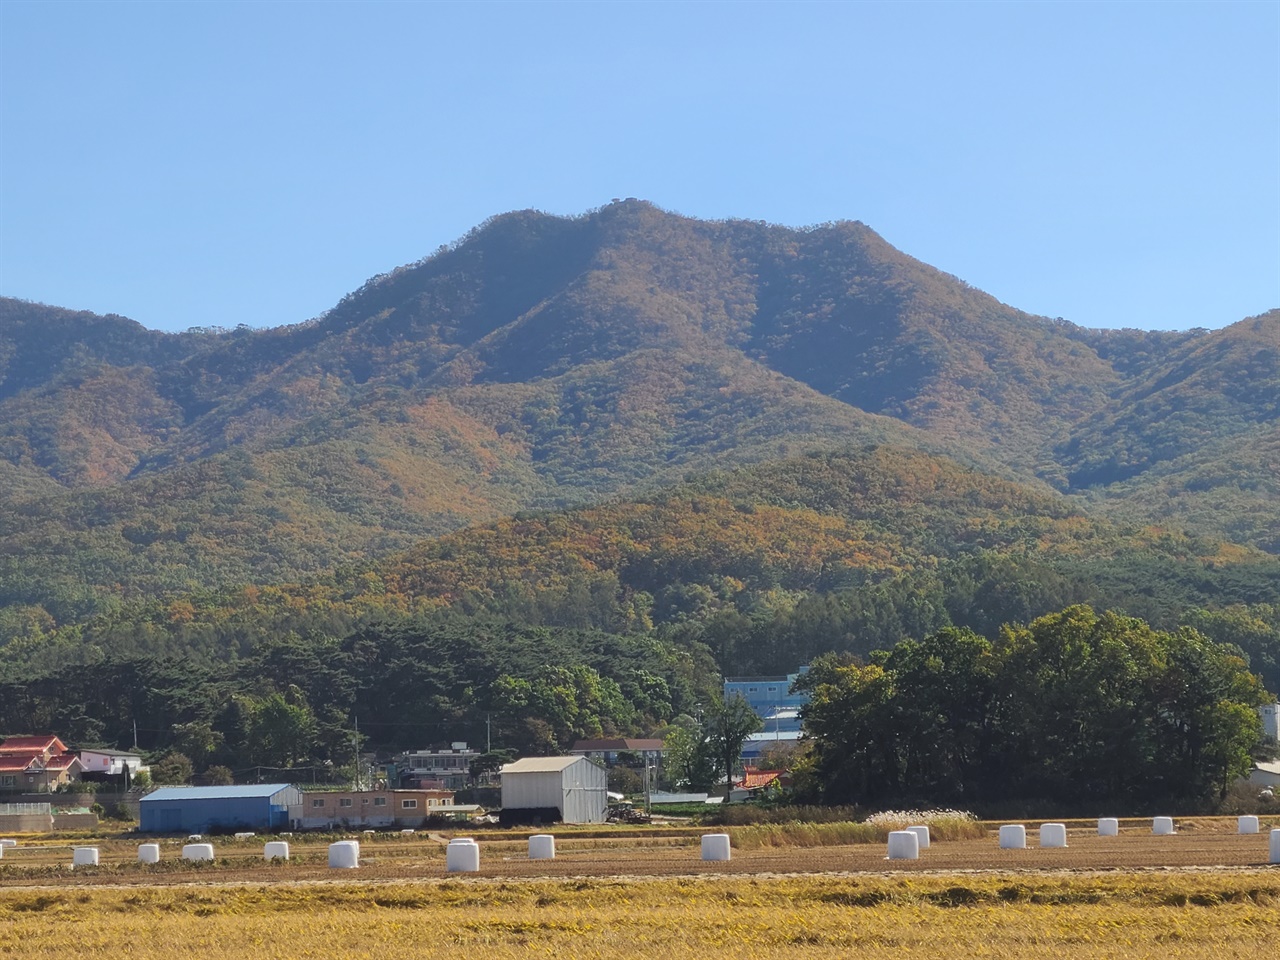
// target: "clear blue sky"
[[1116, 164]]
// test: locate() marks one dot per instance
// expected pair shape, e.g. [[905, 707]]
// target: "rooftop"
[[540, 765], [248, 790], [32, 745], [617, 743]]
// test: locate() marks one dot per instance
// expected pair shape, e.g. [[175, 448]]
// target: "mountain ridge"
[[542, 362]]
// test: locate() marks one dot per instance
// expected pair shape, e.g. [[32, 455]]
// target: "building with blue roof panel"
[[259, 806]]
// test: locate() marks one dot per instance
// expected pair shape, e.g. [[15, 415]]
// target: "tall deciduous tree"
[[727, 726]]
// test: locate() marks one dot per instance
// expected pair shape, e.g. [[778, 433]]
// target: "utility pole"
[[355, 750], [488, 733]]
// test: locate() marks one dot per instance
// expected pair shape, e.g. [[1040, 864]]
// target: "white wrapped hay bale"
[[1247, 824], [84, 856], [462, 856], [904, 845], [715, 846], [149, 853], [275, 850], [542, 846], [245, 836], [1275, 846], [1108, 827], [8, 843], [197, 851], [344, 855], [1053, 835], [922, 834], [1162, 826], [407, 832], [1013, 836]]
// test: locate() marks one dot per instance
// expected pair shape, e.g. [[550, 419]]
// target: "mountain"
[[1193, 442], [543, 362]]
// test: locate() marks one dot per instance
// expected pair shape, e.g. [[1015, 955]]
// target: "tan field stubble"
[[1114, 914]]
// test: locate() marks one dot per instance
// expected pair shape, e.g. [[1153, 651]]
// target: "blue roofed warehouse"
[[259, 806]]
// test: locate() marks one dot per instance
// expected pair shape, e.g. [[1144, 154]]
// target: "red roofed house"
[[36, 764], [756, 782]]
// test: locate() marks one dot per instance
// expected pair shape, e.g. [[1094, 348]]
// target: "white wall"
[[1270, 720], [579, 791]]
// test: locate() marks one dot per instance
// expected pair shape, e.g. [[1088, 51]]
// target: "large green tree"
[[1074, 709], [726, 727]]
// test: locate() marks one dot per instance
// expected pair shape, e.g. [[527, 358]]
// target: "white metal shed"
[[575, 786]]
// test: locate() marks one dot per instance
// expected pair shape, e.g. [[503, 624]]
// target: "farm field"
[[998, 915], [1205, 892], [1207, 844]]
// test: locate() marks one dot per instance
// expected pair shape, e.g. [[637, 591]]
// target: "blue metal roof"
[[247, 791]]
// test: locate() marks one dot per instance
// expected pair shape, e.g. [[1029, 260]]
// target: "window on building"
[[8, 780], [318, 802], [409, 804], [379, 801], [344, 802]]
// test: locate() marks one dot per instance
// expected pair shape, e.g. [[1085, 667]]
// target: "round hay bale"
[[275, 850], [904, 845], [462, 856], [1053, 835], [715, 846], [1013, 836], [923, 833], [344, 855], [542, 846]]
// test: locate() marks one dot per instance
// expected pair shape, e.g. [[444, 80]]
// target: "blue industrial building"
[[261, 806], [771, 698]]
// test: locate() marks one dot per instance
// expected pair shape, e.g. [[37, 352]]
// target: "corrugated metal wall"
[[580, 791], [586, 789], [524, 791], [200, 816]]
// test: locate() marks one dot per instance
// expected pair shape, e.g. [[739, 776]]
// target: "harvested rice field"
[[1206, 844], [1204, 892]]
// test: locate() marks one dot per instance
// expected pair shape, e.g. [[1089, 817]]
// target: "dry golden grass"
[[761, 849], [1178, 914]]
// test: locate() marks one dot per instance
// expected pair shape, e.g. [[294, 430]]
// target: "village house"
[[374, 809], [445, 769], [36, 765], [111, 766]]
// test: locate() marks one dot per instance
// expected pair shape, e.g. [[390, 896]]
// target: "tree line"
[[1075, 711]]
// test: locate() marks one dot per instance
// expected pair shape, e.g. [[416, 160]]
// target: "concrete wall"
[[26, 823], [75, 821]]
